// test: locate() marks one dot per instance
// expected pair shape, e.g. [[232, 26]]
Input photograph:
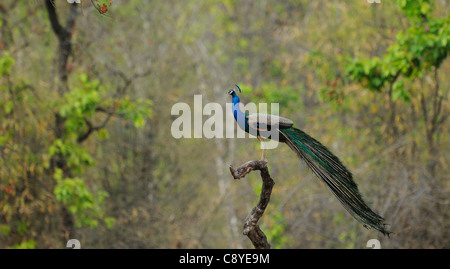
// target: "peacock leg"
[[263, 145]]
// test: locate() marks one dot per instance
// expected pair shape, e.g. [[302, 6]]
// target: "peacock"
[[324, 164]]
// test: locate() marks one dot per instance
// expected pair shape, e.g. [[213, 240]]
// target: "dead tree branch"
[[251, 228]]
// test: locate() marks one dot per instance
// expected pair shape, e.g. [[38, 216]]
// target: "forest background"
[[86, 92]]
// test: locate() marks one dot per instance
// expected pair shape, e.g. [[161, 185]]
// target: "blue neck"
[[239, 116]]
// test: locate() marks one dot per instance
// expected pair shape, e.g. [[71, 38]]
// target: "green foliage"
[[137, 111], [77, 157], [29, 244], [57, 157], [6, 104], [80, 103], [102, 134], [109, 222], [5, 229], [422, 46], [86, 206], [416, 9], [274, 229], [6, 63], [78, 109], [67, 151]]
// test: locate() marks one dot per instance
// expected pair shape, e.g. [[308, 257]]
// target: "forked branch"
[[251, 228]]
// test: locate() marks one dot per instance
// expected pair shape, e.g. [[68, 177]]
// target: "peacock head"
[[232, 92]]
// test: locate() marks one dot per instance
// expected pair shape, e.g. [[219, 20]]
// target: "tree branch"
[[251, 228], [54, 22], [64, 35], [127, 80], [92, 128]]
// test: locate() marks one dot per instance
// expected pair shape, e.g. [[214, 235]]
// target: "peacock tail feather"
[[334, 174]]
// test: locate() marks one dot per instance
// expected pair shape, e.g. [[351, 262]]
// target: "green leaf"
[[103, 134], [5, 229], [139, 122], [83, 78], [109, 222], [30, 244], [8, 107], [366, 69], [397, 90], [377, 82], [6, 63]]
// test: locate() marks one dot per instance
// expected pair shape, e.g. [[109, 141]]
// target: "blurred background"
[[86, 92]]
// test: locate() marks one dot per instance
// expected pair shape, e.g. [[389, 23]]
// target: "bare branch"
[[92, 128], [251, 228], [127, 80]]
